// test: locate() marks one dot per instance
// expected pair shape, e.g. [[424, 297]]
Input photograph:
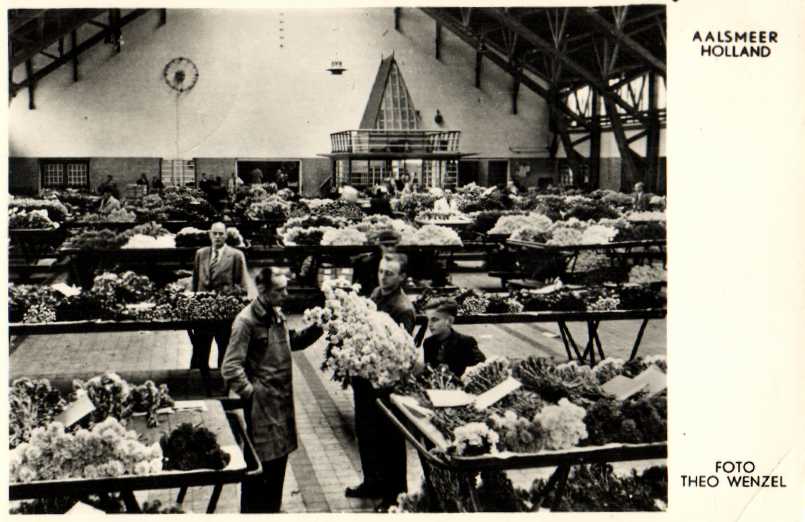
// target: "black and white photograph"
[[350, 260]]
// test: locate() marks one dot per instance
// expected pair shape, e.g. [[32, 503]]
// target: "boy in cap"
[[445, 345]]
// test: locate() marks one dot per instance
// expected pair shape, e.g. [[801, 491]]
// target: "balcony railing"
[[395, 141]]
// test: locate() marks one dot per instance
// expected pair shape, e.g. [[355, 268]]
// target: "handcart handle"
[[413, 440], [237, 420]]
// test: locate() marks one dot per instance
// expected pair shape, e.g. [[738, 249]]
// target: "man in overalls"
[[257, 367]]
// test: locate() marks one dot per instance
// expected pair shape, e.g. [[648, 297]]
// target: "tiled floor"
[[327, 459]]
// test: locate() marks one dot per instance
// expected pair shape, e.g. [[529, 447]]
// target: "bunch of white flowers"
[[363, 342], [645, 216], [562, 424], [607, 369], [647, 274], [343, 236], [108, 450], [508, 224], [475, 438], [604, 304], [598, 235], [436, 235], [565, 236], [573, 370], [144, 241]]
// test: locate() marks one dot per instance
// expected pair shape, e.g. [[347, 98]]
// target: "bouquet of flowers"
[[20, 218], [562, 424], [508, 224], [343, 236], [304, 236], [638, 217], [647, 274], [564, 235], [270, 208], [475, 438], [112, 289], [345, 210], [32, 403], [55, 210], [436, 235], [107, 450], [361, 341], [598, 235]]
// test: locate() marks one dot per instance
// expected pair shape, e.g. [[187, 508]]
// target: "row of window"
[[61, 174]]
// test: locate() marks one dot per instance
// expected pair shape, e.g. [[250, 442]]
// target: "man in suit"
[[380, 443], [216, 268], [445, 345], [640, 199]]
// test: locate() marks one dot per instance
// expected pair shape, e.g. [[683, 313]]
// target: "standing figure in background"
[[109, 186], [281, 179], [204, 185], [256, 177], [258, 368], [156, 185], [216, 268], [380, 444], [143, 181], [640, 199], [233, 183], [380, 204]]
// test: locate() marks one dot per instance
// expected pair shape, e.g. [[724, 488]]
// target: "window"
[[59, 174], [178, 172]]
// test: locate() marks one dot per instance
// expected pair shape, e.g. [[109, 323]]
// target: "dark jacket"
[[258, 367], [458, 352], [397, 305], [380, 205], [364, 271]]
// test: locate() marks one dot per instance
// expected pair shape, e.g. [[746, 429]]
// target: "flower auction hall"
[[337, 260]]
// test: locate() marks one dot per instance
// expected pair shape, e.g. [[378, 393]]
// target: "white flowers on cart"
[[563, 424], [362, 342], [475, 438], [107, 450]]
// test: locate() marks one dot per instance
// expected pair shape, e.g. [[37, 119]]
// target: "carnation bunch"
[[343, 236], [598, 235], [436, 235], [647, 274], [107, 450], [486, 375], [475, 438], [362, 342], [562, 424]]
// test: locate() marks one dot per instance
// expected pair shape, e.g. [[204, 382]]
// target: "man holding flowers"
[[380, 444]]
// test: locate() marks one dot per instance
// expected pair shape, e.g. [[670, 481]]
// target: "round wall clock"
[[181, 74]]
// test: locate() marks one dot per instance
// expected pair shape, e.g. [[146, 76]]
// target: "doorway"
[[498, 172], [273, 171]]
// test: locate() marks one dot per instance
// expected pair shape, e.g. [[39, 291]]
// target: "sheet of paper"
[[622, 387], [190, 405], [449, 398], [84, 509], [654, 379], [493, 395], [76, 411]]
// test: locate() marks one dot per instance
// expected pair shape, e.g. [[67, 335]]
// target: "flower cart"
[[230, 432], [450, 479]]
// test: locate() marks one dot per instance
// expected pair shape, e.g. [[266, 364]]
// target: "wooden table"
[[230, 433]]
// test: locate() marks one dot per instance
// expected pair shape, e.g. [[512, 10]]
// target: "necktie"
[[214, 259]]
